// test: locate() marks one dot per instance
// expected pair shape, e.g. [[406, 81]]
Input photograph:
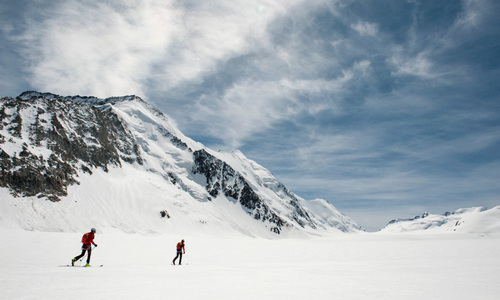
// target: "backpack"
[[87, 239]]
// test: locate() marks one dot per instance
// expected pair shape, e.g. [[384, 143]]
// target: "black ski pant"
[[179, 255], [85, 248]]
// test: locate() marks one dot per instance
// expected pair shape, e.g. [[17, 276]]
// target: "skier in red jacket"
[[180, 250], [87, 240]]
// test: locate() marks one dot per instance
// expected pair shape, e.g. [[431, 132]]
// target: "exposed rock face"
[[78, 135], [221, 178]]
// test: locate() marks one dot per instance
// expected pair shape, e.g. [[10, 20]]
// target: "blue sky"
[[384, 108]]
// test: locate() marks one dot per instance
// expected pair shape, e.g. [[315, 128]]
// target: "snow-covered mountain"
[[468, 220], [68, 163]]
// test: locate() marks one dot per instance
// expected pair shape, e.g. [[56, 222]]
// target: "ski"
[[95, 266]]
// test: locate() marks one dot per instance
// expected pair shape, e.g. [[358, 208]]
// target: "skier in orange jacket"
[[87, 240], [180, 250]]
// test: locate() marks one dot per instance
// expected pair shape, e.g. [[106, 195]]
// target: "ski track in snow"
[[341, 266]]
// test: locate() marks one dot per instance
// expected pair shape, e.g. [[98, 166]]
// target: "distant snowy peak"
[[329, 216], [468, 220]]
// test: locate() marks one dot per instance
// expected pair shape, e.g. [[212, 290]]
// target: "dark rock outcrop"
[[222, 179], [80, 136]]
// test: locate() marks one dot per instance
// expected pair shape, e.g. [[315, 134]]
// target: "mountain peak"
[[119, 161]]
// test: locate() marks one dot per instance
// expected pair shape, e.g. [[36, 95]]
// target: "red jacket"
[[88, 238], [180, 246]]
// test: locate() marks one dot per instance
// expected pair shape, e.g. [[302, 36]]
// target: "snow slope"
[[467, 220], [360, 266]]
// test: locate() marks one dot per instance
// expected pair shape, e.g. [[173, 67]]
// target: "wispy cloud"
[[417, 66], [252, 106], [473, 12]]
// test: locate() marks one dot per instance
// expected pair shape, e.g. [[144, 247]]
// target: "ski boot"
[[73, 262]]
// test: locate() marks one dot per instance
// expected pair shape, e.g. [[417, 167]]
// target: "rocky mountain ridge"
[[78, 135]]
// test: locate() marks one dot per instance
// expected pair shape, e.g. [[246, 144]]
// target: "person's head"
[[182, 241], [93, 230]]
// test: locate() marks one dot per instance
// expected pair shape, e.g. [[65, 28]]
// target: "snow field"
[[344, 266]]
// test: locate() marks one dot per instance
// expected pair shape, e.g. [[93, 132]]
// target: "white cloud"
[[365, 28], [418, 65], [118, 47], [97, 49]]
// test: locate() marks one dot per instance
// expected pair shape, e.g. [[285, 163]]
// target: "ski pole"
[[81, 258]]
